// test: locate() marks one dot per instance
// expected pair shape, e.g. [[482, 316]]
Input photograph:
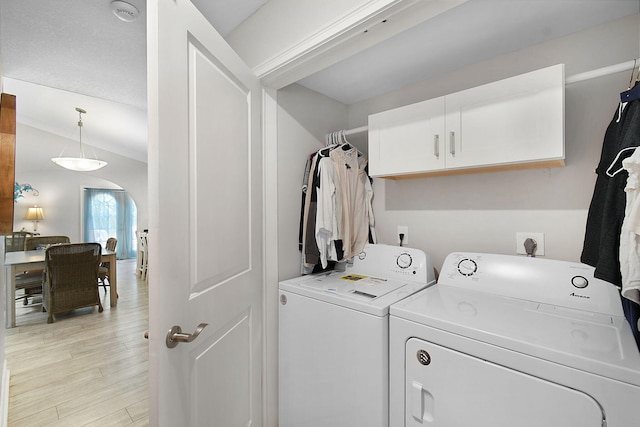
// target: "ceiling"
[[58, 55]]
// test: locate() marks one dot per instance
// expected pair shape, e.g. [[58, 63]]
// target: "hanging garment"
[[630, 235], [606, 211], [337, 213], [363, 211], [630, 246], [311, 257], [327, 229], [310, 253], [304, 212], [347, 167], [305, 184]]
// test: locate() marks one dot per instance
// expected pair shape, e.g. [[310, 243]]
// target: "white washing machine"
[[334, 338], [513, 341]]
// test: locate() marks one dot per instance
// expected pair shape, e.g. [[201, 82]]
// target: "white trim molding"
[[4, 395], [377, 19]]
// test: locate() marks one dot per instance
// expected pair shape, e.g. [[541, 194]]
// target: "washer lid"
[[369, 294], [593, 342]]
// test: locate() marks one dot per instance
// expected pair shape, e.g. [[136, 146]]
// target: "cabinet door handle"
[[452, 143], [436, 146]]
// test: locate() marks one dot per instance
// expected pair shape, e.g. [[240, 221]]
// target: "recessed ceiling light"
[[124, 11]]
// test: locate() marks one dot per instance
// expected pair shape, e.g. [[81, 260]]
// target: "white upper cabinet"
[[509, 124], [407, 139]]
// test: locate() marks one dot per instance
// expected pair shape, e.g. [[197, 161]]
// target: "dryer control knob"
[[467, 267], [579, 282]]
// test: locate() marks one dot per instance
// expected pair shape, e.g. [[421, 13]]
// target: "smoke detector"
[[124, 11]]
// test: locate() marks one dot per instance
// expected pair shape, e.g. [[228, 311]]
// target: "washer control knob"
[[579, 282], [404, 260], [467, 267]]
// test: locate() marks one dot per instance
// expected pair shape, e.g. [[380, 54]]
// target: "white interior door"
[[205, 237]]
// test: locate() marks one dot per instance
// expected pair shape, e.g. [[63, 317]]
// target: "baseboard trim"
[[4, 395]]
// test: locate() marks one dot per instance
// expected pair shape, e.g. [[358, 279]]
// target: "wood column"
[[7, 161]]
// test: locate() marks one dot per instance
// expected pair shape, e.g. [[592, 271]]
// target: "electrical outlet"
[[522, 236], [403, 229]]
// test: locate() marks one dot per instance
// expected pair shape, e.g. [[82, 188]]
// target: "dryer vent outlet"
[[521, 238]]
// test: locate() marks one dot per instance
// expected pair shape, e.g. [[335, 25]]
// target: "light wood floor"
[[87, 368]]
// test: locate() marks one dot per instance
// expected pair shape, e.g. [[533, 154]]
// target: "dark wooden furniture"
[[70, 277]]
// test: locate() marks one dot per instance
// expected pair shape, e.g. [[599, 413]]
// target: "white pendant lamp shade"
[[80, 164]]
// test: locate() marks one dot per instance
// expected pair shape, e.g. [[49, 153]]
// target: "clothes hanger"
[[609, 171], [629, 95], [343, 141], [331, 143], [632, 93]]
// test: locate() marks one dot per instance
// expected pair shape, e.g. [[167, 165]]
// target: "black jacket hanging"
[[606, 211]]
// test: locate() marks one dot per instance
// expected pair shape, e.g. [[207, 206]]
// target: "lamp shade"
[[80, 164], [34, 214]]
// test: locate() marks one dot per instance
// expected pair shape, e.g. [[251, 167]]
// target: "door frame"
[[270, 262]]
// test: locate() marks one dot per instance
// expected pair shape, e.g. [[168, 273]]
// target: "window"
[[111, 213]]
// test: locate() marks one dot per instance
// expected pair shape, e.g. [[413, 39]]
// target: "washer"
[[334, 338], [513, 341]]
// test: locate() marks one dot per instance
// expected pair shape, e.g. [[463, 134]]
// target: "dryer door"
[[446, 388]]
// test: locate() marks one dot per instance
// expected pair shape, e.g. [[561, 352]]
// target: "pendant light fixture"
[[80, 164]]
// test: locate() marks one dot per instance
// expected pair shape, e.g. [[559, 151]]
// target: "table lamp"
[[34, 214]]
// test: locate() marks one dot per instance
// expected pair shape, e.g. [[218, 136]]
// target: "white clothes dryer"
[[334, 338], [513, 341]]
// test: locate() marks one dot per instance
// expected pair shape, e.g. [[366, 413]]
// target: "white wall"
[[482, 212], [304, 118], [476, 212], [60, 189]]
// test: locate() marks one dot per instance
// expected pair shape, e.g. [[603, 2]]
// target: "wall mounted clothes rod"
[[347, 132], [587, 75], [600, 72], [354, 131]]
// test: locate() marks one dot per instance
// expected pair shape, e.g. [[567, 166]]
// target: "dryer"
[[334, 338], [513, 341]]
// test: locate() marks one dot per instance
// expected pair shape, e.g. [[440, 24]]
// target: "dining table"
[[20, 261]]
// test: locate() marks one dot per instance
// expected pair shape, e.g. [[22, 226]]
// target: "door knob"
[[175, 335]]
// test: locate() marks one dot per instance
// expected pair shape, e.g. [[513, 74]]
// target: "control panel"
[[560, 283], [393, 263]]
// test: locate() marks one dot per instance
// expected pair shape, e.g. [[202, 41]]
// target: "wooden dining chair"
[[29, 281], [103, 272], [70, 276], [15, 241], [142, 268], [40, 242]]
